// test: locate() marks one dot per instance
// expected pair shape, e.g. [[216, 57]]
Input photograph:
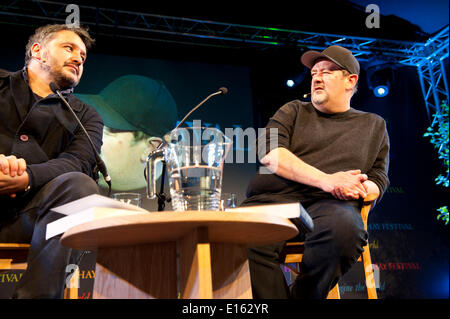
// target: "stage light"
[[294, 79], [379, 78], [381, 90]]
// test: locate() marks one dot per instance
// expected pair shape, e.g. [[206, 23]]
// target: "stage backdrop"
[[161, 92], [408, 244]]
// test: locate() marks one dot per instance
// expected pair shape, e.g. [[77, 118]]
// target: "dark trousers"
[[330, 250], [25, 221]]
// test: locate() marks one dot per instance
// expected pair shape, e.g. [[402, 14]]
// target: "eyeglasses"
[[325, 72]]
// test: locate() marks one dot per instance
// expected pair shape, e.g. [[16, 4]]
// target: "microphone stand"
[[100, 165], [162, 197]]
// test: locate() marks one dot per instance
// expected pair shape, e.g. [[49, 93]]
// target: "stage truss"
[[428, 57]]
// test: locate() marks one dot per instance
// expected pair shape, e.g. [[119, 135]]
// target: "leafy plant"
[[443, 214], [438, 133]]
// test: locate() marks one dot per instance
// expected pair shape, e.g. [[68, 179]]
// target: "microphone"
[[223, 90], [162, 198], [306, 95], [39, 59], [100, 164]]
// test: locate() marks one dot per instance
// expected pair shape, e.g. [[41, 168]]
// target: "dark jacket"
[[44, 132]]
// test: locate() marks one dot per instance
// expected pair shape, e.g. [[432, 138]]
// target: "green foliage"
[[443, 214], [438, 133]]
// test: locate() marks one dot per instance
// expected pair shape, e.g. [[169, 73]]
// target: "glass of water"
[[129, 198], [228, 200]]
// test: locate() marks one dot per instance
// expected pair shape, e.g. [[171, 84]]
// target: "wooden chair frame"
[[293, 253], [13, 256]]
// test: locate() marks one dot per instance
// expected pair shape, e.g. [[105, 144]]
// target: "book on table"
[[85, 209]]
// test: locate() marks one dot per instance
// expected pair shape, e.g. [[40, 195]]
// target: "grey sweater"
[[329, 142]]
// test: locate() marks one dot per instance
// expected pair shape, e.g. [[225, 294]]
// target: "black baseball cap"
[[335, 53]]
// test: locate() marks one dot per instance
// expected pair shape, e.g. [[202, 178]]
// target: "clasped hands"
[[13, 175], [348, 185]]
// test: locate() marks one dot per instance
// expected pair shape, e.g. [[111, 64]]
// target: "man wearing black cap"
[[329, 156]]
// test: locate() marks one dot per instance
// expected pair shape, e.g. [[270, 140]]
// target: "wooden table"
[[193, 254]]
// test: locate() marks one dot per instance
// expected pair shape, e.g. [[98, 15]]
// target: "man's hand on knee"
[[346, 185]]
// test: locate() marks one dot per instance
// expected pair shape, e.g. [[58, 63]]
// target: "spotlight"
[[379, 79], [290, 83], [381, 90], [293, 80]]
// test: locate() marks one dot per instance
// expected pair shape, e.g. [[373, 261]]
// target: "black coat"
[[44, 132]]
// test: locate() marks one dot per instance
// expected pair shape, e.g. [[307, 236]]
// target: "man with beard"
[[329, 156], [45, 158]]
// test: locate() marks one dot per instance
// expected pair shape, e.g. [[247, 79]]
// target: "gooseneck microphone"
[[100, 164], [162, 198], [223, 90]]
